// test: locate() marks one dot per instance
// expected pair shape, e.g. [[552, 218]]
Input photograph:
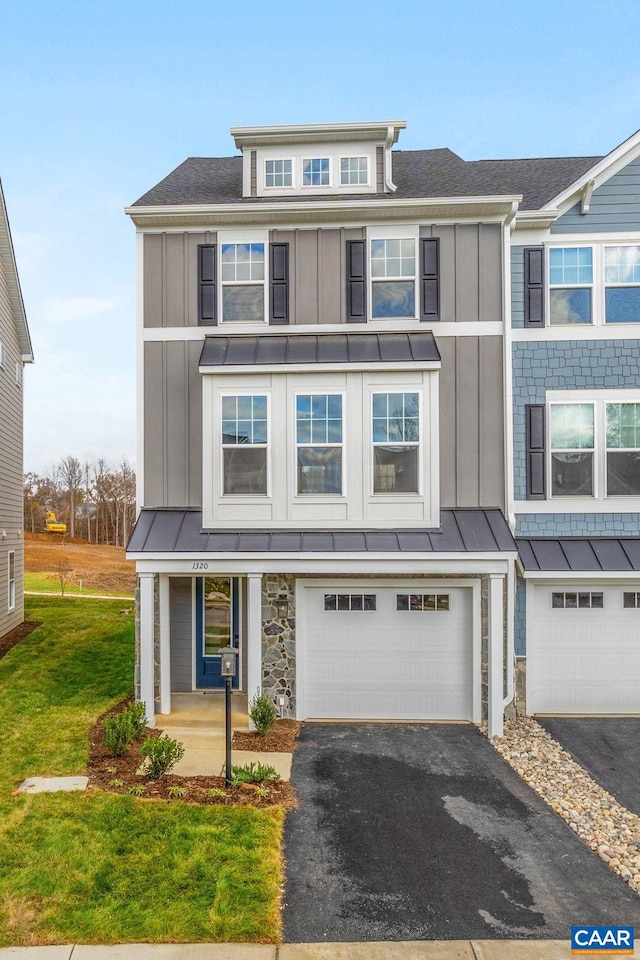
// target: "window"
[[354, 170], [242, 274], [319, 443], [244, 445], [393, 278], [623, 449], [396, 440], [572, 447], [278, 173], [577, 601], [570, 283], [315, 173], [622, 284], [422, 602], [350, 601], [12, 580], [631, 601]]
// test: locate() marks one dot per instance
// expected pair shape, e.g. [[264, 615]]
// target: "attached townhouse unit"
[[15, 351], [328, 418]]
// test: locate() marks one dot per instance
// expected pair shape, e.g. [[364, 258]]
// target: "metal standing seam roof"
[[340, 348], [179, 530], [418, 174], [580, 554]]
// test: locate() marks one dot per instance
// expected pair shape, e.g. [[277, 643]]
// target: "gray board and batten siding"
[[471, 422], [11, 471], [470, 273], [614, 206]]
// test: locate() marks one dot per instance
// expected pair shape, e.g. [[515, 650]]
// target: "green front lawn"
[[50, 583], [98, 867]]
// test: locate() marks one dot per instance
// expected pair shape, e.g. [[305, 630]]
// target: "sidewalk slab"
[[173, 951], [52, 784], [383, 950], [200, 761], [61, 952], [529, 950]]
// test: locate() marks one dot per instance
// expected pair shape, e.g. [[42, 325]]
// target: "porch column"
[[254, 634], [496, 655], [147, 664], [165, 646]]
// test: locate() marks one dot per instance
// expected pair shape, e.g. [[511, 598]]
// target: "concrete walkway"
[[411, 950]]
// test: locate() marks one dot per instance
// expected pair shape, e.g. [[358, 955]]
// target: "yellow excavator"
[[51, 524]]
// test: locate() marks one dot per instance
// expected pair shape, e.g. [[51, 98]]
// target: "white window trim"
[[315, 187], [393, 232], [329, 497], [235, 237], [282, 160], [332, 152], [599, 399], [11, 581], [218, 446], [354, 156], [597, 285], [391, 495]]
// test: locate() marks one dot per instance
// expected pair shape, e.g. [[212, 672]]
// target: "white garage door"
[[583, 649], [388, 653]]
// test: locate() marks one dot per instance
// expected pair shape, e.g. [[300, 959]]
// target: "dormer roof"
[[379, 131]]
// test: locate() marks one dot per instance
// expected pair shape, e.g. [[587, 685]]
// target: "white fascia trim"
[[582, 576], [535, 219], [629, 505], [140, 339], [308, 133], [8, 260], [579, 331], [487, 328], [326, 564], [321, 367], [602, 171]]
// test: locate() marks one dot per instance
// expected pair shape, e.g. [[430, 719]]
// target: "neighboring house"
[[325, 423], [576, 439], [15, 351]]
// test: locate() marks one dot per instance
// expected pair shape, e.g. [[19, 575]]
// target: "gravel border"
[[608, 828]]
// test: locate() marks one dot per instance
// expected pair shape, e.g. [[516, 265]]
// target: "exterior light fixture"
[[228, 666], [282, 605]]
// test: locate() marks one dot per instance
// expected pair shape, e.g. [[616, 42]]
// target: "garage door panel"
[[388, 664], [584, 660]]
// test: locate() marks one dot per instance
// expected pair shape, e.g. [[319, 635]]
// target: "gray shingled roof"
[[179, 530], [416, 173], [580, 554], [341, 348]]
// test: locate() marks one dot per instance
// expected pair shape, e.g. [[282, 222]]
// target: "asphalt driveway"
[[608, 748], [422, 831]]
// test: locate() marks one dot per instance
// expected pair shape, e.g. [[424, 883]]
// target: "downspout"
[[389, 185]]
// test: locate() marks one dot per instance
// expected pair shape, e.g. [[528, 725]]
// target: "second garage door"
[[388, 653]]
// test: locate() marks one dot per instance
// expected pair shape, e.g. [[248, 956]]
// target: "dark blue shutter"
[[536, 452], [429, 278], [356, 281], [279, 283], [534, 287], [207, 284]]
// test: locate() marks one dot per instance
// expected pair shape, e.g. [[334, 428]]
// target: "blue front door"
[[217, 625]]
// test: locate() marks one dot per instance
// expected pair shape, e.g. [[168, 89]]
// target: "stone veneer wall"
[[279, 643], [521, 689]]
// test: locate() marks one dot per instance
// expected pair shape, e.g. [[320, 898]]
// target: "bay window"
[[244, 445], [396, 442], [319, 443]]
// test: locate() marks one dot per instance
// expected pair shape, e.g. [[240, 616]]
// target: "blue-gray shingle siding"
[[615, 206], [517, 286], [577, 524], [520, 625]]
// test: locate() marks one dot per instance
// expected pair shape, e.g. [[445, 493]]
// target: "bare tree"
[[70, 473]]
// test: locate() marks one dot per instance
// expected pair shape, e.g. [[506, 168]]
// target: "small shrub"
[[216, 792], [160, 754], [263, 792], [112, 769], [137, 790], [138, 718], [117, 734], [116, 783], [263, 714], [177, 791], [254, 773]]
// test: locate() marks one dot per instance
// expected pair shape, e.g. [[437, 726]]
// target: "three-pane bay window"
[[572, 446], [393, 278], [396, 441], [244, 445], [242, 276], [319, 443]]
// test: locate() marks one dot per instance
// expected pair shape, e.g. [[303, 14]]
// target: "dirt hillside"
[[99, 567]]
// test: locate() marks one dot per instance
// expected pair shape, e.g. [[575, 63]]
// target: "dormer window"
[[354, 171], [278, 173], [315, 173]]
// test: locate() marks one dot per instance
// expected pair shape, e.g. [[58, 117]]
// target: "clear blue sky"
[[100, 100]]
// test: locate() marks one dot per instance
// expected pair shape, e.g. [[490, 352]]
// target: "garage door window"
[[577, 601], [422, 602], [631, 601], [350, 601]]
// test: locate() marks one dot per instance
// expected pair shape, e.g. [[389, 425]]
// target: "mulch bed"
[[280, 739], [16, 635], [119, 775]]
